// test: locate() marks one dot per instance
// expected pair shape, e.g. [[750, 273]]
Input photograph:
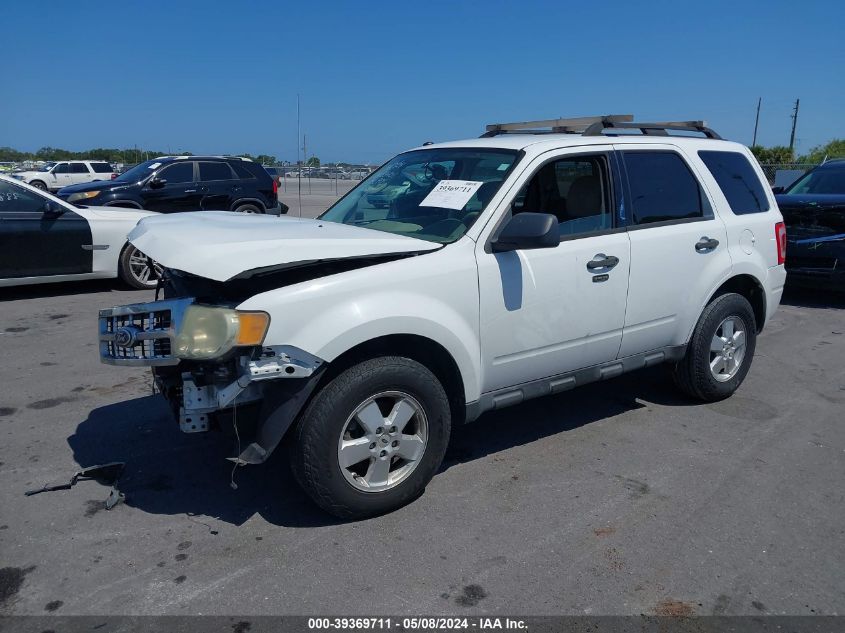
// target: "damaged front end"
[[164, 335], [815, 230]]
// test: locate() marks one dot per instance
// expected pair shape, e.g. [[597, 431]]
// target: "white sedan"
[[43, 239]]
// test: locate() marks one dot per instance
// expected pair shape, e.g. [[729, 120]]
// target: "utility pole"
[[756, 121], [299, 179], [794, 123]]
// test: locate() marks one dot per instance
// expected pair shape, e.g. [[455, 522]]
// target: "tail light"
[[275, 189], [780, 238]]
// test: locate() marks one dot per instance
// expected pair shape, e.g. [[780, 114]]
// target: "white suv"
[[516, 265], [54, 176]]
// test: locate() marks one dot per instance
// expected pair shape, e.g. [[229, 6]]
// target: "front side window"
[[177, 173], [61, 168], [431, 194], [662, 187], [737, 180], [575, 189], [79, 168], [215, 171], [19, 200], [827, 180]]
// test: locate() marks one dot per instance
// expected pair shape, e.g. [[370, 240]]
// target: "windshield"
[[820, 181], [46, 167], [138, 172], [430, 194]]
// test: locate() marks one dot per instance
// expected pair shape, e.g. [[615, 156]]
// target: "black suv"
[[185, 183]]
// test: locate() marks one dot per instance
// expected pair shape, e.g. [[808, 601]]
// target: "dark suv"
[[185, 183]]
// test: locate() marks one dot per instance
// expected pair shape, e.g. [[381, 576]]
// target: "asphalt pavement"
[[619, 498]]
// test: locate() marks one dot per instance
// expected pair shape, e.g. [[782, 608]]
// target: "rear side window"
[[662, 187], [79, 168], [737, 180], [215, 171], [241, 171], [102, 168]]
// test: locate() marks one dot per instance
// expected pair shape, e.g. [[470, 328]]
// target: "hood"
[[822, 213], [220, 245], [99, 185]]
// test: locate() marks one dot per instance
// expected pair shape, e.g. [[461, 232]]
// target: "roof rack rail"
[[651, 128], [556, 126]]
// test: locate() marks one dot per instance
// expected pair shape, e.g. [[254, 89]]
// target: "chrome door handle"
[[602, 261], [706, 244], [190, 190]]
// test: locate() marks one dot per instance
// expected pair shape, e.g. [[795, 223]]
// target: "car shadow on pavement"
[[812, 298], [170, 472], [66, 288]]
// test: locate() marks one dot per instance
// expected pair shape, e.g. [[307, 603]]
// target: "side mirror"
[[52, 210], [777, 190], [157, 183], [526, 231]]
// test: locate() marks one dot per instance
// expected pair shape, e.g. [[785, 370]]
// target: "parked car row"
[[54, 176]]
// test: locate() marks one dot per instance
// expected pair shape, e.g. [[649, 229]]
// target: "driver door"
[[37, 239], [59, 177], [553, 310]]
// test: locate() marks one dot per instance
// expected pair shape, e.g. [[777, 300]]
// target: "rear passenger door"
[[218, 184], [679, 249], [79, 173]]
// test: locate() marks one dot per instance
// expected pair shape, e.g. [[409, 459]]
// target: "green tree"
[[833, 149], [776, 154], [312, 162]]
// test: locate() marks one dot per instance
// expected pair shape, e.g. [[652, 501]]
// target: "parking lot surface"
[[311, 197], [619, 498]]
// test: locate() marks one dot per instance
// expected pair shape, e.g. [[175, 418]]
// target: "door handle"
[[190, 190], [706, 244], [602, 261]]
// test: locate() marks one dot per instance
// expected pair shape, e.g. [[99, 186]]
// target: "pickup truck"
[[524, 263]]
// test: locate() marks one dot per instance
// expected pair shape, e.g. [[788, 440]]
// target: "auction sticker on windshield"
[[451, 194]]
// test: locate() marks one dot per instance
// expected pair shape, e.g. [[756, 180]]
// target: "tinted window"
[[102, 168], [215, 171], [178, 173], [79, 168], [821, 181], [62, 168], [18, 199], [662, 187], [737, 180], [575, 190], [242, 171]]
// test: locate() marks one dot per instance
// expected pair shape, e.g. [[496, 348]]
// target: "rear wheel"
[[372, 438], [38, 184], [138, 270], [720, 351], [248, 208]]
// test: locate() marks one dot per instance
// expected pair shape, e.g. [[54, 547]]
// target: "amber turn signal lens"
[[252, 326]]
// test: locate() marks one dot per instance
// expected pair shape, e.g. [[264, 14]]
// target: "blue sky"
[[378, 77]]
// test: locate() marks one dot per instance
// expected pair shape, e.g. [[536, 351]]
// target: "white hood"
[[220, 245]]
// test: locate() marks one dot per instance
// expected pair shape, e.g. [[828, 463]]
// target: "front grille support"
[[141, 334]]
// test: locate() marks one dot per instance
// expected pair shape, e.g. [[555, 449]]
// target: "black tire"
[[38, 184], [692, 374], [130, 276], [248, 208], [314, 449]]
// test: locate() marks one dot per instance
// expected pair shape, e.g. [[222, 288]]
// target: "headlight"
[[208, 332], [16, 176], [83, 195]]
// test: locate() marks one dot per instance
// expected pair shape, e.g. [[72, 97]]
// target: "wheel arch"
[[749, 287], [254, 201], [126, 204], [426, 351]]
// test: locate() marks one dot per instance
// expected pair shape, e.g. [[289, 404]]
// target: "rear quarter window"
[[102, 168], [241, 171], [737, 180]]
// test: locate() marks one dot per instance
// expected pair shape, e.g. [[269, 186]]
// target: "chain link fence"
[[783, 174]]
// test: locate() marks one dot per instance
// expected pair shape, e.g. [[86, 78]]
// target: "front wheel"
[[372, 438], [138, 270], [38, 184], [720, 351], [248, 208]]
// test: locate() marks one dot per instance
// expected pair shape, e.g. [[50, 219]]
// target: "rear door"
[[679, 247], [80, 173], [177, 189], [36, 241], [219, 185]]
